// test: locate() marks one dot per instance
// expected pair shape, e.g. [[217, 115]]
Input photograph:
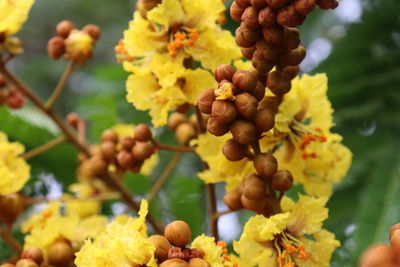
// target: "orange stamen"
[[289, 264]]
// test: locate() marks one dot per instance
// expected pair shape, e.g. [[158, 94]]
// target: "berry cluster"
[[10, 95], [171, 248], [185, 128], [72, 43]]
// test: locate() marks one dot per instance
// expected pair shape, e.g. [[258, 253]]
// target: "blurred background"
[[357, 45]]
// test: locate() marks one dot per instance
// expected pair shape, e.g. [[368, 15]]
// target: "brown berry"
[[243, 132], [3, 81], [254, 205], [293, 57], [378, 255], [64, 28], [11, 206], [142, 132], [243, 3], [26, 263], [232, 200], [248, 51], [73, 119], [278, 82], [178, 233], [273, 34], [34, 254], [287, 16], [56, 47], [268, 51], [109, 135], [92, 30], [291, 71], [60, 254], [260, 63], [264, 120], [175, 119], [162, 246], [3, 96], [267, 16], [255, 190], [251, 179], [127, 143], [205, 100], [124, 159], [304, 7], [259, 92], [245, 81], [258, 4], [250, 18], [108, 150], [291, 39], [7, 265], [246, 37], [174, 263], [327, 4], [185, 132], [15, 99], [270, 103], [142, 150], [184, 108], [197, 262], [246, 105], [277, 3], [282, 181], [215, 127], [98, 165], [224, 111], [234, 151], [236, 12], [265, 164], [224, 72]]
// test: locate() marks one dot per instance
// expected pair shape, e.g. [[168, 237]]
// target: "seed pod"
[[243, 132], [142, 150], [255, 190], [127, 143], [98, 165], [26, 263], [268, 51], [250, 18], [56, 47], [278, 82], [264, 120], [260, 63], [234, 151], [60, 254], [243, 3], [291, 71], [108, 150], [174, 263], [304, 7], [254, 205], [224, 111], [11, 206], [15, 99], [215, 127], [92, 30], [265, 164], [258, 4], [142, 133], [177, 118], [109, 135], [185, 132], [267, 16], [34, 254], [64, 28], [293, 57], [162, 246], [277, 3], [245, 81], [282, 181], [246, 37], [378, 255], [236, 12], [224, 72], [273, 34], [327, 4], [178, 233], [291, 39], [248, 52], [246, 105], [259, 92], [232, 200], [287, 16]]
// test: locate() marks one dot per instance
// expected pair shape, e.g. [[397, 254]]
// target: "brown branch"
[[200, 120], [11, 241], [43, 148], [164, 176], [60, 86], [212, 202], [172, 148], [222, 213]]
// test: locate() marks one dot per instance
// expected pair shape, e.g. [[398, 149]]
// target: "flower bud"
[[98, 165], [64, 28], [142, 132], [185, 132], [250, 18], [178, 233], [162, 246], [234, 151], [291, 71], [224, 111], [304, 7], [327, 4], [378, 255], [268, 51], [251, 179], [174, 263], [197, 262], [255, 190], [177, 118], [277, 3], [246, 105], [142, 150], [224, 72], [287, 16], [254, 205], [265, 164], [143, 6], [258, 4], [246, 37], [282, 181], [109, 135], [267, 17], [273, 34], [15, 99], [92, 30], [215, 127], [127, 143], [293, 57], [73, 119], [11, 206], [259, 92], [243, 132], [26, 263], [124, 159], [232, 200], [245, 81], [205, 101], [236, 12], [79, 46], [248, 52], [243, 3], [34, 254], [183, 108], [278, 82], [56, 47], [291, 39], [108, 150], [60, 254], [260, 63], [264, 120]]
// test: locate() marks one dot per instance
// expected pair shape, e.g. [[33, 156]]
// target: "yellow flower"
[[122, 244], [294, 236], [80, 208], [13, 13], [213, 254], [79, 46], [14, 171]]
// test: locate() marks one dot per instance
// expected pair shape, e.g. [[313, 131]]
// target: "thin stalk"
[[11, 241], [60, 86], [43, 148], [212, 202], [172, 148], [222, 213]]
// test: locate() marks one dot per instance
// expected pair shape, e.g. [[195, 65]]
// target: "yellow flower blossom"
[[80, 208], [213, 254], [14, 171], [79, 46], [13, 13], [284, 238]]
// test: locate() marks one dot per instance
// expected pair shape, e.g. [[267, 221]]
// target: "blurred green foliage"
[[364, 76]]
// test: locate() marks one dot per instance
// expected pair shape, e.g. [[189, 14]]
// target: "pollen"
[[182, 39]]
